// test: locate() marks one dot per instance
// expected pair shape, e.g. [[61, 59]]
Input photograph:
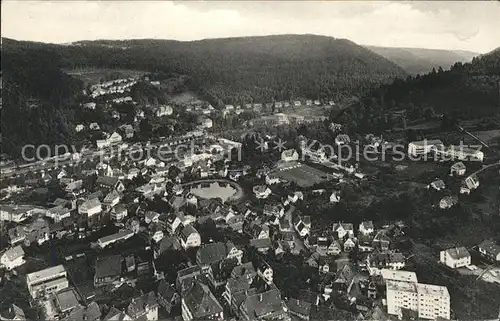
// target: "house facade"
[[455, 257]]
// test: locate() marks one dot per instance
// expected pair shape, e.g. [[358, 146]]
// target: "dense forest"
[[241, 69], [421, 61], [466, 91], [38, 100]]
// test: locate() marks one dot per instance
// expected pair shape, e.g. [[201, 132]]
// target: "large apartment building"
[[50, 280], [430, 301]]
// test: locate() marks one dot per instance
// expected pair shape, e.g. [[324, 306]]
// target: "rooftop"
[[399, 275], [430, 289], [117, 236], [108, 266], [401, 286], [67, 300], [458, 252], [44, 274], [14, 253]]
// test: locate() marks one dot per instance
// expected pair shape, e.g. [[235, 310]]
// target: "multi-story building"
[[429, 301], [433, 301], [424, 147], [47, 281]]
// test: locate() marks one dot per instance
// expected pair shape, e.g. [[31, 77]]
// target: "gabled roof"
[[137, 306], [299, 307], [166, 291], [201, 302], [115, 315], [90, 313], [211, 253], [261, 304], [109, 266], [187, 231], [490, 247], [243, 269], [91, 203], [14, 253], [367, 225], [345, 226], [112, 196], [107, 180], [458, 166], [261, 243]]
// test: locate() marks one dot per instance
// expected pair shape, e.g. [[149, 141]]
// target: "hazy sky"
[[467, 25]]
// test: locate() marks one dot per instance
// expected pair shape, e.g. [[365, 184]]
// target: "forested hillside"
[[421, 61], [466, 91], [38, 99], [242, 69]]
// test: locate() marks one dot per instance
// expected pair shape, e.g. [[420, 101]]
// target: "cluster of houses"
[[117, 86]]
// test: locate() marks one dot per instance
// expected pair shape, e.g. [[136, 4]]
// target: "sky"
[[455, 25]]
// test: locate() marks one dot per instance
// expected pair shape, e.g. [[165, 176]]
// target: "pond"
[[213, 190]]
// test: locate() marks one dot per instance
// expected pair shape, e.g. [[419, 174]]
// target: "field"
[[184, 98], [94, 76], [303, 175]]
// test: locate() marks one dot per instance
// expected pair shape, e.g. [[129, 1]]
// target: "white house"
[[455, 257], [157, 236], [303, 226], [289, 155], [448, 202], [112, 199], [335, 197], [472, 182], [366, 228], [343, 229], [207, 123], [342, 139], [115, 138], [190, 237], [295, 197], [102, 143], [58, 213], [90, 105], [438, 185], [119, 212], [90, 207], [79, 128], [13, 257], [151, 217], [164, 110], [261, 191], [458, 169], [272, 179]]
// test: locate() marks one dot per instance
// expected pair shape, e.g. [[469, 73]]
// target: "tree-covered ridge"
[[466, 91], [421, 61], [38, 99], [243, 69]]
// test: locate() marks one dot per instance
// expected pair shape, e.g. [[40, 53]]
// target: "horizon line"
[[238, 37]]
